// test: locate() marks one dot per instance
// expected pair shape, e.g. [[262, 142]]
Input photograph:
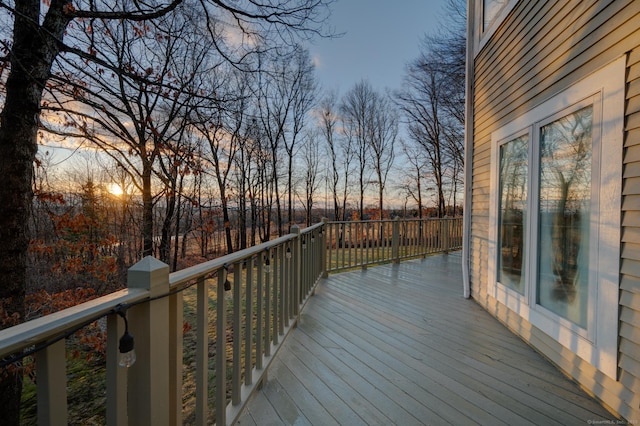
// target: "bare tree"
[[35, 33], [384, 131], [328, 122], [247, 183], [302, 88], [135, 116], [287, 92], [432, 102], [413, 184], [421, 105], [177, 161], [310, 177], [370, 121], [219, 126], [355, 110], [347, 150]]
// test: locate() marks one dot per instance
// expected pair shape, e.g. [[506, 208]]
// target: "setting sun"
[[115, 189]]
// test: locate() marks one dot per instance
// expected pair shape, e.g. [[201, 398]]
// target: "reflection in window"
[[513, 213], [490, 10], [565, 197]]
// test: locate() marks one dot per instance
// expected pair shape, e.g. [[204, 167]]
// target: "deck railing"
[[258, 294], [363, 243]]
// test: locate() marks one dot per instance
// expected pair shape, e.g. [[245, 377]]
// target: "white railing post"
[[148, 379]]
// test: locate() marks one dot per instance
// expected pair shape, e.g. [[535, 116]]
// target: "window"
[[555, 215], [513, 212], [490, 11], [489, 14], [564, 215]]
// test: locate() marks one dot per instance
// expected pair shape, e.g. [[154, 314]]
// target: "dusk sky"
[[381, 36]]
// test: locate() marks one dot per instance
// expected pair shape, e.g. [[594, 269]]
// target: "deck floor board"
[[398, 344]]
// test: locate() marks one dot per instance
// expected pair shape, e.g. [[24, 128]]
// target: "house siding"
[[538, 51]]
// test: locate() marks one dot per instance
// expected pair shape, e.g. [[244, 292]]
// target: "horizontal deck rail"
[[245, 304], [362, 243]]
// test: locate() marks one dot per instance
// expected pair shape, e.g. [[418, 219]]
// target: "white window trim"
[[597, 345], [482, 37]]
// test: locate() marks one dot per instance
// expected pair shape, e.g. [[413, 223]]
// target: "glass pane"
[[513, 213], [565, 198], [491, 9]]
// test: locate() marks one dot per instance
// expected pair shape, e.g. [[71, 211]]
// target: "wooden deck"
[[398, 344]]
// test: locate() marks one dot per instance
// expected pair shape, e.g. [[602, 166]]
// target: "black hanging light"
[[127, 355]]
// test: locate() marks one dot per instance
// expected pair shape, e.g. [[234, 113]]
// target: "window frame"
[[517, 296], [598, 342], [596, 184], [482, 35]]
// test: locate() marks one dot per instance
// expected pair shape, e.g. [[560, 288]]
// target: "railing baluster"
[[395, 241], [330, 245], [260, 313], [409, 235], [287, 284], [355, 245], [176, 319], [275, 287], [432, 233], [343, 243], [367, 244], [349, 243], [248, 324], [417, 225], [281, 290], [303, 265], [236, 378], [116, 376], [308, 264], [377, 240], [296, 279], [51, 368], [378, 252], [267, 304], [314, 258], [323, 262], [293, 312], [221, 353], [202, 350]]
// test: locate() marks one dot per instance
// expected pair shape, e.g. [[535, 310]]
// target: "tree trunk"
[[227, 222], [242, 217], [32, 54], [147, 211], [290, 219], [165, 236]]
